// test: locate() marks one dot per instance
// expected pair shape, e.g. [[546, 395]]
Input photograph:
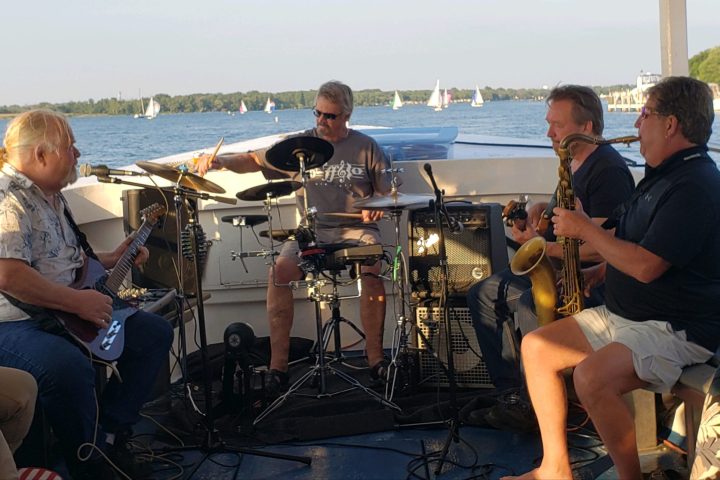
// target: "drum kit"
[[320, 263]]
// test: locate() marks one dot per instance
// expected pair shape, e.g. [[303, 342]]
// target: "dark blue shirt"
[[675, 214]]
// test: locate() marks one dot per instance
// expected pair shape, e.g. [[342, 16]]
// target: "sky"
[[75, 50]]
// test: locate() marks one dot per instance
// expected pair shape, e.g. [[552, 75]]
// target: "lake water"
[[122, 140]]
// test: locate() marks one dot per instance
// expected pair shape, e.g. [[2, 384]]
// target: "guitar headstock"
[[153, 213]]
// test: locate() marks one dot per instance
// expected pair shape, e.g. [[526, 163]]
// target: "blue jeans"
[[493, 303], [66, 377]]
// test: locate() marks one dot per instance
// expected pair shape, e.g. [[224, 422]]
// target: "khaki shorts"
[[659, 353]]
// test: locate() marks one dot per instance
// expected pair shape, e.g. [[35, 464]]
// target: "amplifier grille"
[[470, 369]]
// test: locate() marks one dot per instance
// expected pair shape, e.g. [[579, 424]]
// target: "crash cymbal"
[[273, 189], [245, 220], [286, 154], [395, 201], [185, 179]]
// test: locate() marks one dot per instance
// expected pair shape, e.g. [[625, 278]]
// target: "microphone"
[[87, 170], [456, 226], [428, 170]]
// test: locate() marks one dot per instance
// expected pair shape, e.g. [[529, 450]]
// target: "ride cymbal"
[[394, 201], [183, 178], [244, 220], [286, 154], [272, 190]]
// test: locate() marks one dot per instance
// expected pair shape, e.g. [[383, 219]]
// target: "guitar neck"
[[125, 263]]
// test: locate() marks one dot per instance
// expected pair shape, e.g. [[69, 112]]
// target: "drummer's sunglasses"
[[329, 116]]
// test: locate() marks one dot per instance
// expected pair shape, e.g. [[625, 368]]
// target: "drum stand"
[[321, 368], [211, 443]]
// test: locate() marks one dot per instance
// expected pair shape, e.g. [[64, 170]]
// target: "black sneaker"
[[131, 461], [276, 382], [97, 468], [379, 373], [512, 412]]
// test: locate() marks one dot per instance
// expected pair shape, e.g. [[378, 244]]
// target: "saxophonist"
[[662, 277], [602, 181]]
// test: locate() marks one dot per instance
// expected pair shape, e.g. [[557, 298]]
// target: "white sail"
[[397, 102], [446, 98], [243, 108], [477, 99], [153, 108], [435, 99], [269, 106]]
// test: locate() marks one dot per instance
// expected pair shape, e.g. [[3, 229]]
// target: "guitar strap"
[[81, 238]]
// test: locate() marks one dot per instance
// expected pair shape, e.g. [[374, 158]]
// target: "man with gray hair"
[[356, 170], [662, 284]]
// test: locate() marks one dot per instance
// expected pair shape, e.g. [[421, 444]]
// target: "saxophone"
[[531, 260]]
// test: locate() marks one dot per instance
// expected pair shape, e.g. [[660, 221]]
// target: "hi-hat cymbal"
[[286, 154], [272, 190], [185, 179], [394, 201], [279, 235]]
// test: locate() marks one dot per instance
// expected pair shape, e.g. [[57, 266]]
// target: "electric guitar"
[[108, 343]]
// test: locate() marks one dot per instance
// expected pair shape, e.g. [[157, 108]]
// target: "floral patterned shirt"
[[36, 232]]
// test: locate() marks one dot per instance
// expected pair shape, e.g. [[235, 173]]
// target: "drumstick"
[[217, 147], [341, 215]]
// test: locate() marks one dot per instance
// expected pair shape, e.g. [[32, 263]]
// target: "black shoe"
[[477, 418], [97, 468], [512, 412], [131, 461], [379, 373], [276, 382]]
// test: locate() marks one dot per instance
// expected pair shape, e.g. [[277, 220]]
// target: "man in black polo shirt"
[[602, 181], [662, 284]]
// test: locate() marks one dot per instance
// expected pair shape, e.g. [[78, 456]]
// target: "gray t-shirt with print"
[[354, 172]]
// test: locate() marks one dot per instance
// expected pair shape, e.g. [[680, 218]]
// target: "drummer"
[[354, 172]]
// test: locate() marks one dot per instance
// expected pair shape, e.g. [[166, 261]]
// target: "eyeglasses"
[[329, 116], [645, 112]]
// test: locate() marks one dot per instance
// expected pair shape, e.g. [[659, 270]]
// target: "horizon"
[[84, 50]]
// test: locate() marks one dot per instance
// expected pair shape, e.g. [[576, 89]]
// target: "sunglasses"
[[329, 116], [645, 112]]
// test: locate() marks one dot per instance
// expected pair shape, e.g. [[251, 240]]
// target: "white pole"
[[673, 38]]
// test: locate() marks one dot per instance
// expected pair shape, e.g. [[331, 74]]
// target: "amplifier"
[[473, 254], [470, 369]]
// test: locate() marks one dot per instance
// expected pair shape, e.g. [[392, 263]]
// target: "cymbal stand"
[[322, 367], [212, 443], [400, 357]]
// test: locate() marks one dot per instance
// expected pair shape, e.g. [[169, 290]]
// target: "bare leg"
[[372, 313], [600, 381], [546, 353], [280, 311]]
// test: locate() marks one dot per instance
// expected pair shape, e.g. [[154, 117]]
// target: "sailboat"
[[142, 108], [242, 108], [446, 99], [477, 100], [435, 99], [269, 106], [397, 102], [153, 109]]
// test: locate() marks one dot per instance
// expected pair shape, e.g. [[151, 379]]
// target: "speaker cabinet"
[[473, 254], [161, 270], [470, 370]]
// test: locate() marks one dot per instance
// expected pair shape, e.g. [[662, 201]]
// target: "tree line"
[[255, 100]]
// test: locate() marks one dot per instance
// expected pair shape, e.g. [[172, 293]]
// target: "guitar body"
[[104, 343], [108, 343]]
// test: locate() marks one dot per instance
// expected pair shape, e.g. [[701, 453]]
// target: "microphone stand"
[[454, 423]]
